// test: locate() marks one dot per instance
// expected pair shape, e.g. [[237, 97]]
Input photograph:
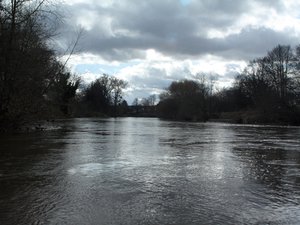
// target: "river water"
[[148, 171]]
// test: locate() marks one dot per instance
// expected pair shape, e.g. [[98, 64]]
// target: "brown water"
[[148, 171]]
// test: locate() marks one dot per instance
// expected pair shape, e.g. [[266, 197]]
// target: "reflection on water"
[[148, 171]]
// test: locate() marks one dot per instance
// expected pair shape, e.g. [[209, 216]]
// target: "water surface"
[[148, 171]]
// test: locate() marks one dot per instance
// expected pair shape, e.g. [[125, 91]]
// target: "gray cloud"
[[254, 42], [174, 30], [123, 31], [249, 43]]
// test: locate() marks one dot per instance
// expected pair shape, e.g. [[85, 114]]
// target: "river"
[[149, 171]]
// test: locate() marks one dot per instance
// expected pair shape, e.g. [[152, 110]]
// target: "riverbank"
[[42, 125], [258, 117], [238, 117]]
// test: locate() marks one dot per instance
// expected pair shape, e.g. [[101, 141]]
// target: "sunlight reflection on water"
[[148, 171]]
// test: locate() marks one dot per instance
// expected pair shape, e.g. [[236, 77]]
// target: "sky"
[[150, 43]]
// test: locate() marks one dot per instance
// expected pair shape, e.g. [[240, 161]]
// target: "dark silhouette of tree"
[[270, 85], [123, 108], [97, 95], [271, 77], [184, 100], [267, 91], [228, 100], [63, 91], [135, 102], [145, 102], [29, 69], [136, 105], [104, 95], [152, 100], [116, 89]]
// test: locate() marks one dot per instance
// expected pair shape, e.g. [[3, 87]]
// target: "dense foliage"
[[270, 85], [33, 83], [102, 97], [184, 100], [268, 91]]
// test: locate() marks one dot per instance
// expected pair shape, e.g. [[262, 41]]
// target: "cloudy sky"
[[150, 43]]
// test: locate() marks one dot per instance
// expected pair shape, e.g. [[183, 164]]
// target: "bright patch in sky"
[[185, 2], [100, 68]]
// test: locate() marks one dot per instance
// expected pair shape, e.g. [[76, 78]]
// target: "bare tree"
[[116, 87], [145, 102], [279, 69], [28, 67], [152, 100]]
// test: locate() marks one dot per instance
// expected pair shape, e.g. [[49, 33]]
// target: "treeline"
[[144, 107], [103, 97], [34, 83], [267, 91]]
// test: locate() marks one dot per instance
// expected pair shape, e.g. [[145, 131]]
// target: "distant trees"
[[97, 95], [267, 91], [184, 100], [271, 77], [228, 100], [150, 101], [271, 84], [103, 96], [143, 107], [116, 87]]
